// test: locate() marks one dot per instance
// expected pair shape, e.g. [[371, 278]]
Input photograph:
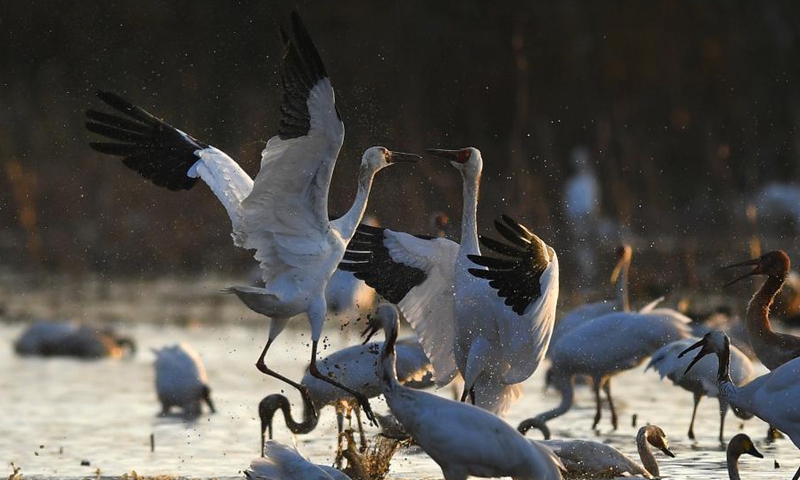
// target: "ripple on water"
[[60, 412]]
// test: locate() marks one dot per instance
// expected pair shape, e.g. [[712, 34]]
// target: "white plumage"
[[283, 213], [355, 367], [71, 339], [281, 462], [181, 379], [463, 439], [582, 314], [587, 459], [771, 397], [701, 380], [606, 346], [491, 333]]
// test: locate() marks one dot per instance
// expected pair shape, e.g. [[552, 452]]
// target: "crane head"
[[376, 158], [466, 159], [773, 264]]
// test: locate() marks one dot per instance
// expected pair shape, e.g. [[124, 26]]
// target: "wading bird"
[[283, 214], [70, 339], [771, 397], [495, 332], [181, 380], [773, 349], [738, 446], [357, 368], [281, 462], [462, 439], [604, 347], [701, 380], [587, 459], [584, 313]]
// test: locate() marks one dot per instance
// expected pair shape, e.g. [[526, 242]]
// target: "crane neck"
[[758, 325], [469, 216], [724, 368], [346, 225], [622, 288], [646, 455], [733, 465], [388, 362], [308, 423], [567, 391]]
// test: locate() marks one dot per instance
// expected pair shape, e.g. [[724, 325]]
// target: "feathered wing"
[[417, 274], [286, 214], [528, 282], [167, 156]]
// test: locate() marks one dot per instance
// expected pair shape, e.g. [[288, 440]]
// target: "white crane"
[[586, 312], [702, 379], [357, 368], [495, 332], [181, 380], [462, 439], [281, 462], [604, 347], [771, 397], [587, 459], [283, 214], [71, 339], [738, 446]]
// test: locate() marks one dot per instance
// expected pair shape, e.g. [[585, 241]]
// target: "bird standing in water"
[[283, 213]]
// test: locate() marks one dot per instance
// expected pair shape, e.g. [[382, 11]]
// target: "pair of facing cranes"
[[487, 318]]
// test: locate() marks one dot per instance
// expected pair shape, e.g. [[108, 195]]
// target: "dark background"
[[687, 107]]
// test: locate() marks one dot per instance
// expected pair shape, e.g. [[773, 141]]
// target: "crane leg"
[[359, 396], [607, 389], [796, 474], [263, 368], [363, 437], [597, 414], [697, 398]]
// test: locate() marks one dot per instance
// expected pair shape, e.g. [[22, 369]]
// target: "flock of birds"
[[483, 309]]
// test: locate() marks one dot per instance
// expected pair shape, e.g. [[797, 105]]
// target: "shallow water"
[[60, 412]]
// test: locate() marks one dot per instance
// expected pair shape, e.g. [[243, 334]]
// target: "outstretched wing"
[[527, 280], [167, 156], [286, 215], [416, 273]]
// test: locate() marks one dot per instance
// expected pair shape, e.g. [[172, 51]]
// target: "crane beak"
[[401, 157], [754, 452], [373, 327], [667, 452], [701, 354], [450, 155], [755, 271]]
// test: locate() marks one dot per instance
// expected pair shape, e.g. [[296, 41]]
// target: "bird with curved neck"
[[462, 439], [357, 368], [772, 348], [588, 459], [738, 446], [701, 379], [282, 214], [771, 397], [607, 346]]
